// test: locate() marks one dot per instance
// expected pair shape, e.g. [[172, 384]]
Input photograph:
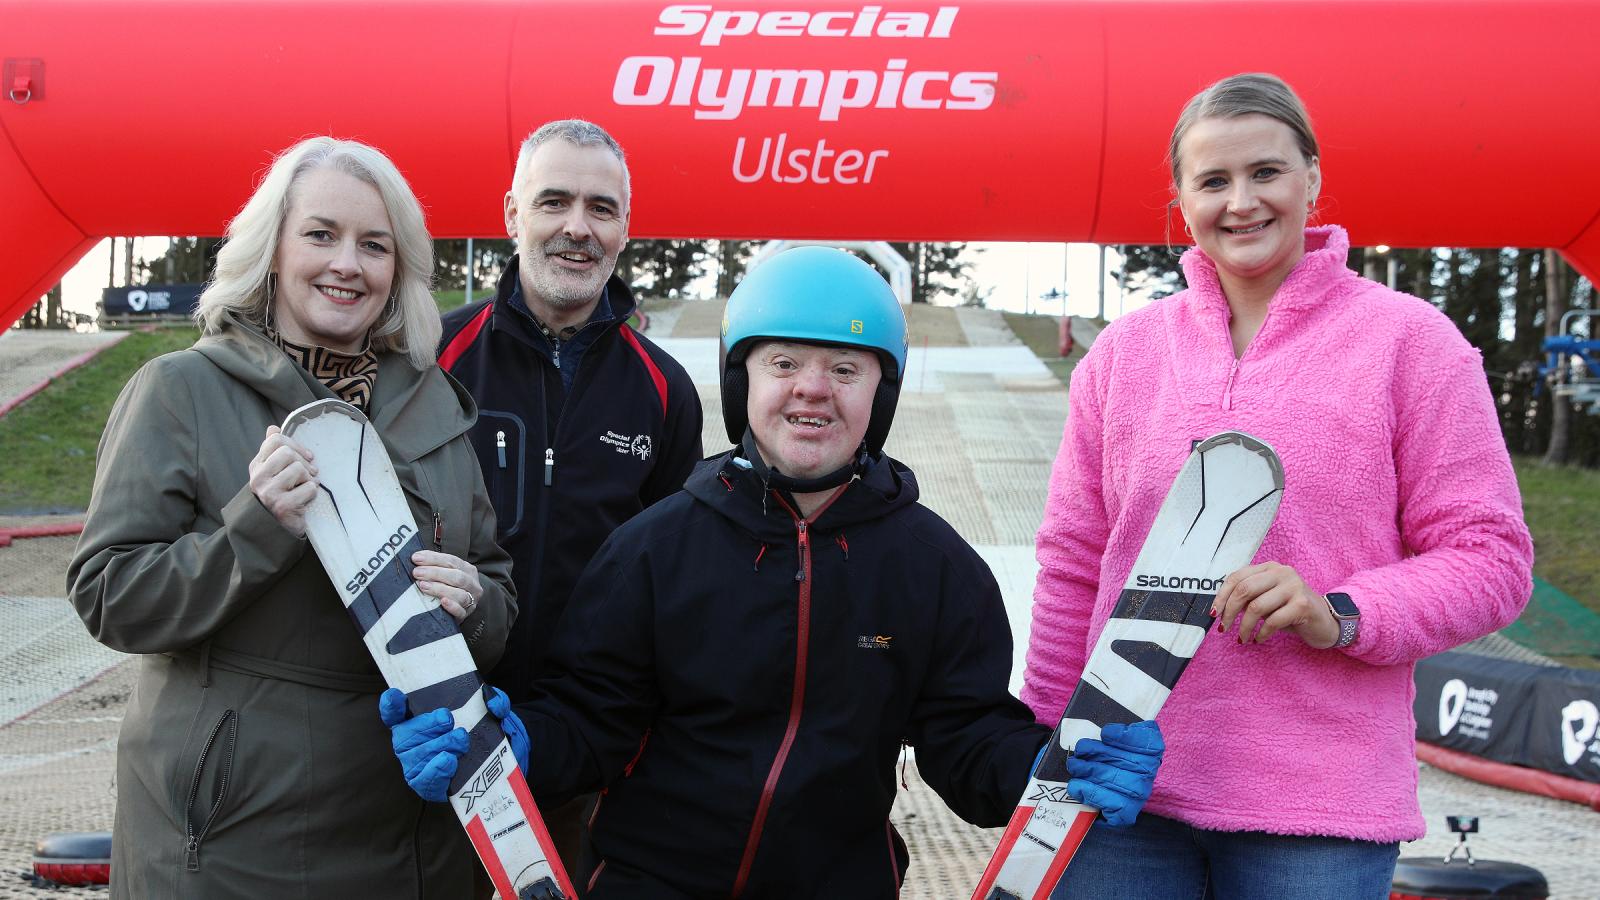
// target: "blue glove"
[[1115, 774], [500, 705], [428, 748]]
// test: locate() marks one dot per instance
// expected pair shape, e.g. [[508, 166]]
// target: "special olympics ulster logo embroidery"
[[639, 446]]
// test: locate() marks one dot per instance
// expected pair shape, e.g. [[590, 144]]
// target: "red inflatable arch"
[[1443, 122]]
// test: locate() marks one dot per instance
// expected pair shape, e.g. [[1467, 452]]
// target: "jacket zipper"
[[438, 531], [1233, 371], [193, 840], [549, 465], [798, 692], [500, 447]]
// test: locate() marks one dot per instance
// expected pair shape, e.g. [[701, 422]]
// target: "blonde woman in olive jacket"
[[250, 764]]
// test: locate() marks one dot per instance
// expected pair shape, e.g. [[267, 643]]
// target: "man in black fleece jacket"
[[752, 653]]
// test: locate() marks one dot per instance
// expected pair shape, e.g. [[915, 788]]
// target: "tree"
[[1150, 269], [733, 257], [489, 259], [47, 313], [1474, 302], [663, 268], [187, 260], [1557, 299], [935, 269], [1527, 305]]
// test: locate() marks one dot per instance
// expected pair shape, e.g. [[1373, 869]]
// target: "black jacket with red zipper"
[[565, 468], [776, 667]]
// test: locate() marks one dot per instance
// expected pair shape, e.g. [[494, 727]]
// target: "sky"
[[1018, 274], [1014, 274]]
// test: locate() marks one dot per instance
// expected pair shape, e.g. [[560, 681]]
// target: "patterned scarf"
[[351, 377]]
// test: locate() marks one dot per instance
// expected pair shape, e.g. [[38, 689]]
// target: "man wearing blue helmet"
[[753, 652]]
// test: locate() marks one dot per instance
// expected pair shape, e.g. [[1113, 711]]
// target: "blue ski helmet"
[[817, 295]]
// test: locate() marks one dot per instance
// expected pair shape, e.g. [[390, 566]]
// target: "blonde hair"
[[1249, 94], [409, 326]]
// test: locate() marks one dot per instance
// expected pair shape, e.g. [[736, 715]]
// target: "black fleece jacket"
[[564, 468], [743, 681]]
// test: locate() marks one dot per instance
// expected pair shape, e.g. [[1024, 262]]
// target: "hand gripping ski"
[[1212, 522], [364, 534]]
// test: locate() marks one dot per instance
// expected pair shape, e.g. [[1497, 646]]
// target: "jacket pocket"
[[500, 440], [208, 789]]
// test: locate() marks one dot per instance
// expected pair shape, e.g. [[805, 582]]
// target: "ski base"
[[1211, 523], [364, 534]]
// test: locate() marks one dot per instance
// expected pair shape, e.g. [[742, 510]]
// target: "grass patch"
[[1562, 507], [449, 300], [47, 444], [933, 326], [1042, 335]]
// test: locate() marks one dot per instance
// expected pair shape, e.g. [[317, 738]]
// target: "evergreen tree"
[[489, 259], [1150, 269], [663, 268], [935, 269], [187, 260], [733, 257]]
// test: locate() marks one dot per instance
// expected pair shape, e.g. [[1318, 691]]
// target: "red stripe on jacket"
[[464, 338], [649, 364]]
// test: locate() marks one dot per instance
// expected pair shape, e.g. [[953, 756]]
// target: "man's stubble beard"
[[554, 288]]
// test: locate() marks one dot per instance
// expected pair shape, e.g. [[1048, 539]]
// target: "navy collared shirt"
[[566, 351]]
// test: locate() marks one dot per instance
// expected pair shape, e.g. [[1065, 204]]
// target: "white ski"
[[364, 534], [1213, 521]]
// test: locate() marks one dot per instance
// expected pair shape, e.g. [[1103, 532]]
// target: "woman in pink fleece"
[[1290, 768]]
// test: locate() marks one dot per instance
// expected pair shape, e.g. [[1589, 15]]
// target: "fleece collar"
[[1321, 271], [730, 486]]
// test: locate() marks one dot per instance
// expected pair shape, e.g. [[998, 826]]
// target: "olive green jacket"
[[252, 762]]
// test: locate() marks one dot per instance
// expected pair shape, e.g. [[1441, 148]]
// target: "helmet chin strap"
[[772, 478]]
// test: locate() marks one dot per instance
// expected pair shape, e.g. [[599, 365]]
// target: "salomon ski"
[[1212, 522], [364, 534]]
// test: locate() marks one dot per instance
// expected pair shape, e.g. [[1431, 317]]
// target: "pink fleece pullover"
[[1398, 491]]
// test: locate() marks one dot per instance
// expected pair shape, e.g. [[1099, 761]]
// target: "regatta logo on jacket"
[[874, 641], [639, 446]]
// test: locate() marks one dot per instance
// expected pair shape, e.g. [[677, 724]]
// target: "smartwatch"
[[1349, 617]]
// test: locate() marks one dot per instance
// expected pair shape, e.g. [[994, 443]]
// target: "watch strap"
[[1348, 628]]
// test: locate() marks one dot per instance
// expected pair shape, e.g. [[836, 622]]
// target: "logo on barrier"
[[1451, 699], [1468, 711], [137, 300], [1579, 721], [834, 63]]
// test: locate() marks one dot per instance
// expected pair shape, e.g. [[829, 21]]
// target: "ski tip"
[[318, 408], [1252, 444]]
